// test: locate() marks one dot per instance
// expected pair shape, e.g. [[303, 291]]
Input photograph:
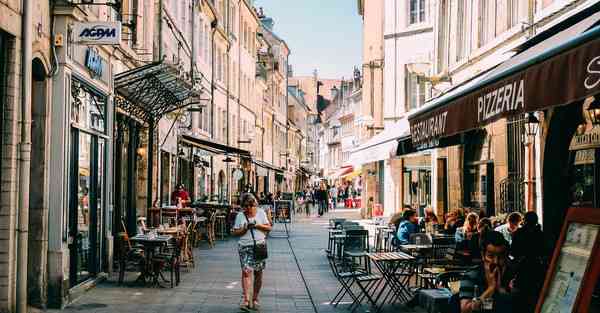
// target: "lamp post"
[[531, 126]]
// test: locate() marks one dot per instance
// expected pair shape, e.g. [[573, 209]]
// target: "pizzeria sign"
[[565, 78]]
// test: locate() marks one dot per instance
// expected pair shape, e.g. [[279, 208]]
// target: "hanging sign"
[[97, 33]]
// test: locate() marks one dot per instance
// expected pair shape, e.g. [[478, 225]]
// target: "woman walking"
[[252, 226]]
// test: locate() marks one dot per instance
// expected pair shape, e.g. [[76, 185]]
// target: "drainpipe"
[[160, 35], [229, 143], [25, 158], [213, 25]]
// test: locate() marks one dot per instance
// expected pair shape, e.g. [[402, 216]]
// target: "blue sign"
[[93, 62]]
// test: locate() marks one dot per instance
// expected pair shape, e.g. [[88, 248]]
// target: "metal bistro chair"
[[355, 248], [169, 259], [221, 229], [365, 282], [335, 222]]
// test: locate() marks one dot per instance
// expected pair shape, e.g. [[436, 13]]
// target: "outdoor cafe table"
[[150, 244], [396, 269]]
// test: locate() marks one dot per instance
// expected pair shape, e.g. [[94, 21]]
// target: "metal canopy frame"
[[212, 146], [150, 91]]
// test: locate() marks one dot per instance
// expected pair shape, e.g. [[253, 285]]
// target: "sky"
[[322, 34]]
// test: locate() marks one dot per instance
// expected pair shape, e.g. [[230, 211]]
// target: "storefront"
[[145, 95], [196, 156], [552, 87], [87, 201]]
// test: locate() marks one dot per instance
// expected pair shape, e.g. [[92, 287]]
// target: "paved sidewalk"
[[214, 284]]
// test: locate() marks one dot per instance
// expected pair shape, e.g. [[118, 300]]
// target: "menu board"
[[570, 268]]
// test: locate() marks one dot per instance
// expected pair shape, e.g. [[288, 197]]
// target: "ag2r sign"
[[97, 33]]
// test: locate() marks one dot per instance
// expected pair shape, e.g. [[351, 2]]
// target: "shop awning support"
[[151, 124]]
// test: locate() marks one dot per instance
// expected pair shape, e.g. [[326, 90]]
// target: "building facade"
[[109, 130]]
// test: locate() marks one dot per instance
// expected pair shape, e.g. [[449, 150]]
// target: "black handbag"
[[260, 249]]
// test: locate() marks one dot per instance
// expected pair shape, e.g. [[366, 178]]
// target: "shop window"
[[479, 174], [88, 108], [417, 188]]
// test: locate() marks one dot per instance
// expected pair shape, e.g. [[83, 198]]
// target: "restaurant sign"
[[534, 88], [590, 139]]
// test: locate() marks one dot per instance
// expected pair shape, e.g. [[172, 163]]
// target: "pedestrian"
[[252, 226], [333, 194], [322, 198]]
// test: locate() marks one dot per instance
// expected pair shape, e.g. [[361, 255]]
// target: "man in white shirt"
[[512, 224]]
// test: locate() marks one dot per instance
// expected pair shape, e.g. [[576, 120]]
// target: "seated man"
[[491, 281], [407, 227], [510, 227]]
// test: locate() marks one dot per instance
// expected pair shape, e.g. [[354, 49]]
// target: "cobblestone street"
[[214, 284]]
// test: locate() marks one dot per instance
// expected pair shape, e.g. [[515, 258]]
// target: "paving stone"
[[214, 286]]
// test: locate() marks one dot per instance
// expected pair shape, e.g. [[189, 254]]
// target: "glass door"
[[86, 203]]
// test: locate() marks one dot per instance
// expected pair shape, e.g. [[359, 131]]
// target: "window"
[[513, 12], [486, 28], [207, 44], [224, 126], [200, 42], [462, 33], [417, 91], [443, 42], [417, 11]]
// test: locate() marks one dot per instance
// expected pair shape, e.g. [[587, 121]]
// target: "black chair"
[[420, 238], [335, 222], [169, 260], [365, 282], [356, 247]]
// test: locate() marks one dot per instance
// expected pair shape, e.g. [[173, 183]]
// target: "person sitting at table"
[[529, 252], [510, 227], [468, 230], [141, 225], [454, 220], [407, 227], [472, 246], [181, 195], [492, 278], [428, 221], [398, 217]]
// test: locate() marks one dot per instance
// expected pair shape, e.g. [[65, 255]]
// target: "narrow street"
[[214, 284]]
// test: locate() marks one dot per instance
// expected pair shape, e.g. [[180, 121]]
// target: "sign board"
[[574, 270], [93, 62], [588, 140], [97, 33], [283, 211]]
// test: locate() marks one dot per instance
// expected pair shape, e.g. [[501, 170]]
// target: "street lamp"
[[532, 125], [594, 112]]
